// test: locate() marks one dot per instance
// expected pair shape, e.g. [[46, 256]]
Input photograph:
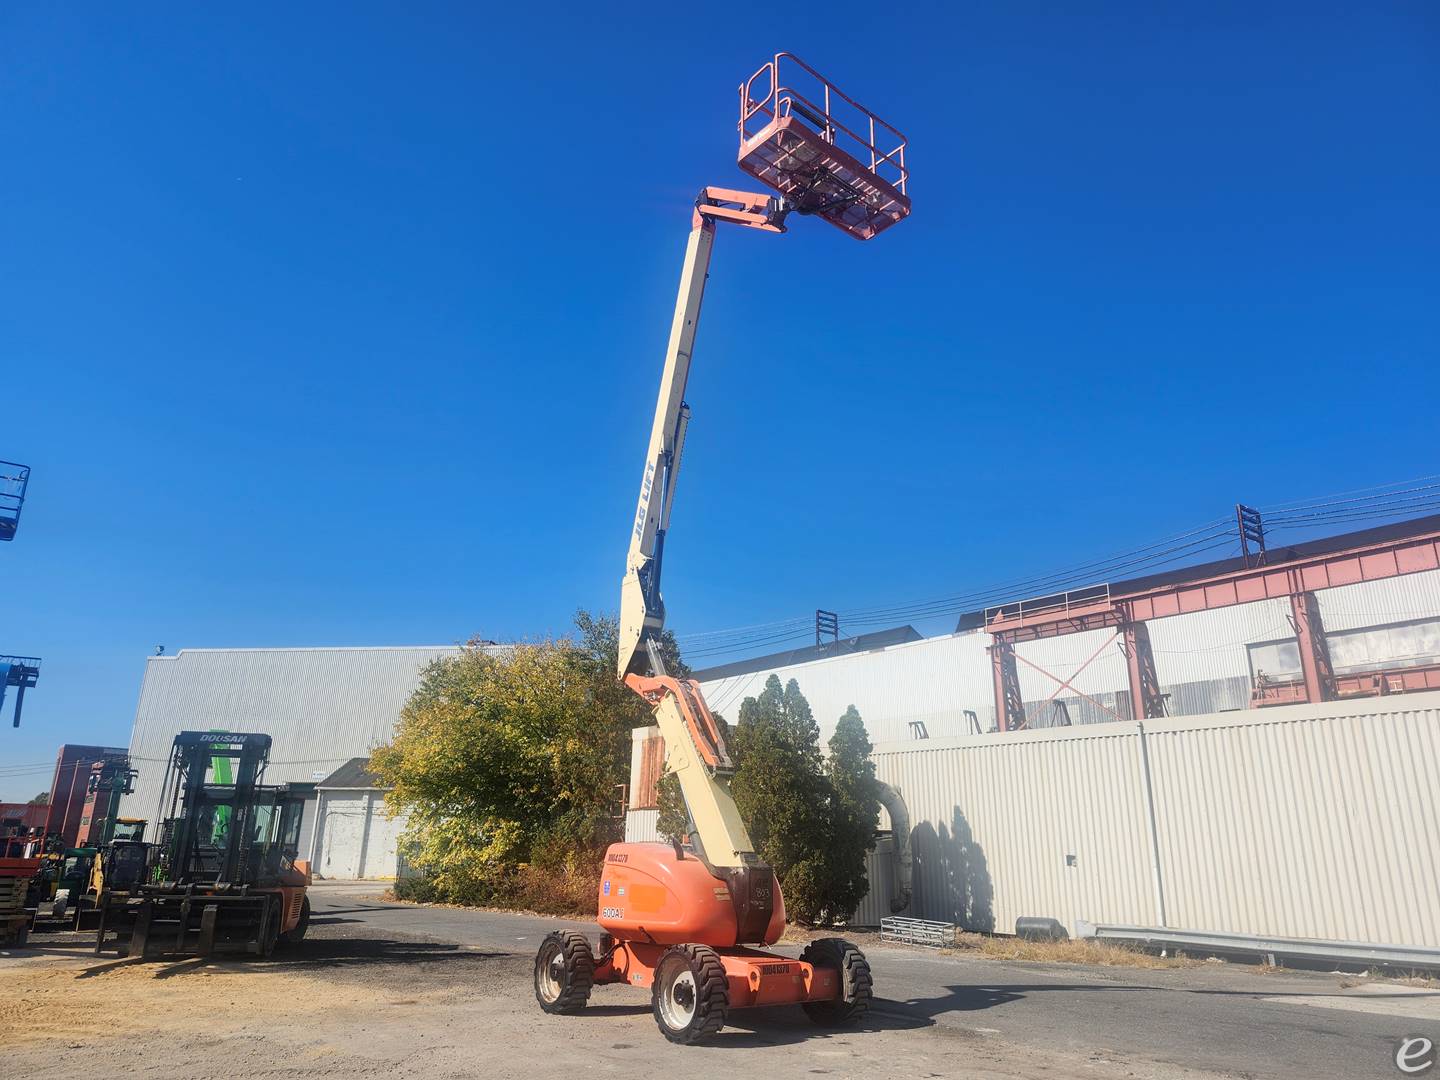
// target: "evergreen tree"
[[856, 810], [812, 818]]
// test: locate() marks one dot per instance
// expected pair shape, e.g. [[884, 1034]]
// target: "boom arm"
[[642, 611], [695, 746]]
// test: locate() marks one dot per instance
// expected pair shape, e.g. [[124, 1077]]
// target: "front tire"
[[855, 983], [564, 972], [270, 928], [691, 995]]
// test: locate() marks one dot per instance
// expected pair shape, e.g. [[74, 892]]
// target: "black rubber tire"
[[711, 992], [270, 930], [855, 983], [297, 934], [571, 965]]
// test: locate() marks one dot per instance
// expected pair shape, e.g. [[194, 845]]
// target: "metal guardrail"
[[1411, 958], [934, 935], [1084, 599]]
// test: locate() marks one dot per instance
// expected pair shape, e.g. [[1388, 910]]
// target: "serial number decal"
[[774, 969], [617, 858], [612, 913]]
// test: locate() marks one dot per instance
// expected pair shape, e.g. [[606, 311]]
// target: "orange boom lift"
[[687, 920]]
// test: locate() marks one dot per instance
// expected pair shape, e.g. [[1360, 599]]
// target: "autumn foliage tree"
[[509, 768]]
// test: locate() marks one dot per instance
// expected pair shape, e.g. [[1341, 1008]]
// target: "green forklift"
[[224, 874]]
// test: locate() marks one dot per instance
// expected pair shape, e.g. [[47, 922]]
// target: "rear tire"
[[564, 972], [297, 934], [855, 983], [690, 995]]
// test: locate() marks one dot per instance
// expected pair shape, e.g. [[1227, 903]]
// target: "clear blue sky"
[[341, 326]]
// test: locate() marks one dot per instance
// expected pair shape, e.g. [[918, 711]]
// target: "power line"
[[1325, 500], [1398, 499]]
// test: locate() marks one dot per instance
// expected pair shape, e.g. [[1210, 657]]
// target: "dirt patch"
[[1109, 954], [107, 998]]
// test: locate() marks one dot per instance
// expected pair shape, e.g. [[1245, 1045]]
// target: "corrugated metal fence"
[[1311, 821], [1306, 821]]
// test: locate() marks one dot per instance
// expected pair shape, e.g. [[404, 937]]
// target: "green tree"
[[798, 820], [43, 799], [510, 768], [855, 810]]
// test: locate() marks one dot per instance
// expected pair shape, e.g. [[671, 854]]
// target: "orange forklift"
[[689, 921], [224, 876]]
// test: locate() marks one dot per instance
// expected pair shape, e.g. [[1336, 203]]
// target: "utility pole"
[[826, 622]]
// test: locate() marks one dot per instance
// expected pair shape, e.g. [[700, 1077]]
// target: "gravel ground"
[[361, 997]]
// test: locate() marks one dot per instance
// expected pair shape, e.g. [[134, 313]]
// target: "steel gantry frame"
[[1126, 612]]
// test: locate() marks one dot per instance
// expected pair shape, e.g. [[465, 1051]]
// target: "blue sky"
[[341, 326]]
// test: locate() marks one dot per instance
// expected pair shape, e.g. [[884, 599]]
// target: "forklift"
[[224, 875]]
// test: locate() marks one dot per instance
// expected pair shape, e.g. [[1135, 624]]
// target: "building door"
[[342, 845]]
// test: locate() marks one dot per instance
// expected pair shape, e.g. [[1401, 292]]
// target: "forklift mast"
[[196, 798]]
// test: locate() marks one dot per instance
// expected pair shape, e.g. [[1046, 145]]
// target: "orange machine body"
[[648, 894], [651, 900]]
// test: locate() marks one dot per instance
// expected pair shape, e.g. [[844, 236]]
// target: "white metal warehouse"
[[322, 707], [1207, 661]]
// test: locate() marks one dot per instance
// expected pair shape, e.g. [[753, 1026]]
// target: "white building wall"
[[1310, 821], [322, 707], [1202, 659], [1031, 823], [1367, 603], [1307, 821], [356, 838], [933, 681]]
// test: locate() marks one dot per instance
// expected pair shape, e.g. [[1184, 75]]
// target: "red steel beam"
[[1375, 562], [1314, 653], [1146, 701], [1009, 705]]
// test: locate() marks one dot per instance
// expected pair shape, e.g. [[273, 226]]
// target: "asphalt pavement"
[[1222, 1019]]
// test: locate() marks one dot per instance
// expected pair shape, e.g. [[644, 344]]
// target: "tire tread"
[[857, 986], [580, 967], [712, 993]]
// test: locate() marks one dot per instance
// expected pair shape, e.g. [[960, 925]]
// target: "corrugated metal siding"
[[322, 706], [1310, 821], [1368, 603], [933, 681], [1208, 645], [642, 826], [880, 872], [995, 819], [1315, 821]]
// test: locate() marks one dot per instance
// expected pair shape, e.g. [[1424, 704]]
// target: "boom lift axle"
[[684, 920]]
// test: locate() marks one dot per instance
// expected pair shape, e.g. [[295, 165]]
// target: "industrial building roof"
[[880, 639], [354, 775]]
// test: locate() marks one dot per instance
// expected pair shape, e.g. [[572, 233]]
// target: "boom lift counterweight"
[[683, 920]]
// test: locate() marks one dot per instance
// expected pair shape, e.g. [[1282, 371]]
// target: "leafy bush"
[[510, 768]]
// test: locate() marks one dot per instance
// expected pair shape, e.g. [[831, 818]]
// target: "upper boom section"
[[826, 155], [642, 611]]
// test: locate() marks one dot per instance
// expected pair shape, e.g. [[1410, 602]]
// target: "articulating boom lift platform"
[[686, 920]]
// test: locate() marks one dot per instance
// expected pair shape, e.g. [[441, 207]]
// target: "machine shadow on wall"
[[951, 865]]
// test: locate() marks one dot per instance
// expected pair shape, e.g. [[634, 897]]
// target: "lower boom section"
[[694, 986]]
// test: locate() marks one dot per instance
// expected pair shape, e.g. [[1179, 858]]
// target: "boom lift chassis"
[[684, 920]]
